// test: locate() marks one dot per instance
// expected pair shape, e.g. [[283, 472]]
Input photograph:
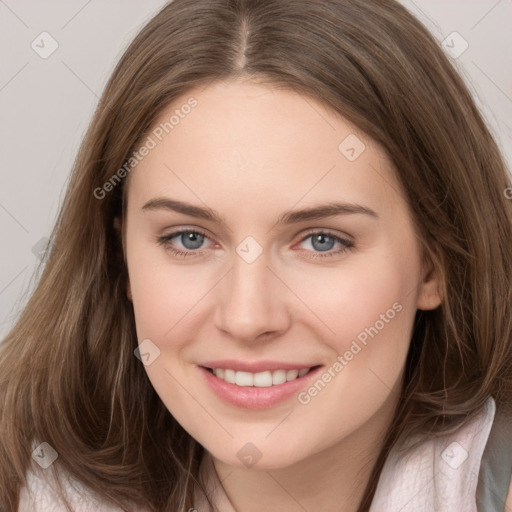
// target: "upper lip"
[[254, 366]]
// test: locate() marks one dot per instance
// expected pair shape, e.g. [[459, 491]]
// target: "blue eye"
[[322, 243], [192, 241]]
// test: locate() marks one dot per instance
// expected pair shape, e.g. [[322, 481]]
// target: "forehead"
[[267, 144]]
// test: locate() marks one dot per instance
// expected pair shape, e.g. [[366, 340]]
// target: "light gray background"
[[46, 104]]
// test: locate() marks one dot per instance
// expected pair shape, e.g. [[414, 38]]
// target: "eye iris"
[[195, 238], [321, 238]]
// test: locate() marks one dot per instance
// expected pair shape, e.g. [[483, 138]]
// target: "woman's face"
[[306, 257]]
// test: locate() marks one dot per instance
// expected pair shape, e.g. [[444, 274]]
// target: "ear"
[[430, 295]]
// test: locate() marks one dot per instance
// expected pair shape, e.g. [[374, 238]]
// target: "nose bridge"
[[252, 302]]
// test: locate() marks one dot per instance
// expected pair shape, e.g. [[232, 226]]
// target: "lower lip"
[[252, 397]]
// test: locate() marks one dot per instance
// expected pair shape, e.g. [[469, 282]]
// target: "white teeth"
[[261, 380], [244, 379], [229, 375], [292, 374], [278, 377]]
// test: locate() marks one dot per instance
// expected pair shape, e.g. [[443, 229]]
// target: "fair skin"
[[251, 152]]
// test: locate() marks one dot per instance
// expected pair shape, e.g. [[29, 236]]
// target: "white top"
[[440, 474], [437, 475]]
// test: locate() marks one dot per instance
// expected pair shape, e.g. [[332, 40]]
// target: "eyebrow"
[[288, 217]]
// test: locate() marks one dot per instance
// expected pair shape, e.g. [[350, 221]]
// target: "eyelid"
[[304, 231], [347, 243], [304, 235], [186, 229], [327, 231]]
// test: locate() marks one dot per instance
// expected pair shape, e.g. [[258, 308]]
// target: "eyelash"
[[347, 244]]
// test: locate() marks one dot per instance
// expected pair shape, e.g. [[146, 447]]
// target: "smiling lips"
[[256, 385]]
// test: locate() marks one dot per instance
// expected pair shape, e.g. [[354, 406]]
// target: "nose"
[[252, 302]]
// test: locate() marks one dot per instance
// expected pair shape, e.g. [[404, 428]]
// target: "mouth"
[[260, 389], [264, 379]]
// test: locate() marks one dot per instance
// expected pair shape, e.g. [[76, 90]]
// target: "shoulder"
[[441, 472], [495, 478], [41, 494]]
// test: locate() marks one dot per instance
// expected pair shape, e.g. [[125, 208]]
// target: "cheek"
[[370, 309], [166, 300], [373, 320], [376, 290], [347, 299], [164, 291]]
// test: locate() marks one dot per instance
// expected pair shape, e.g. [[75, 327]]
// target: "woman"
[[193, 343]]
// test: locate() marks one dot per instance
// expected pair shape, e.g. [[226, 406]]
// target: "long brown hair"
[[68, 375]]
